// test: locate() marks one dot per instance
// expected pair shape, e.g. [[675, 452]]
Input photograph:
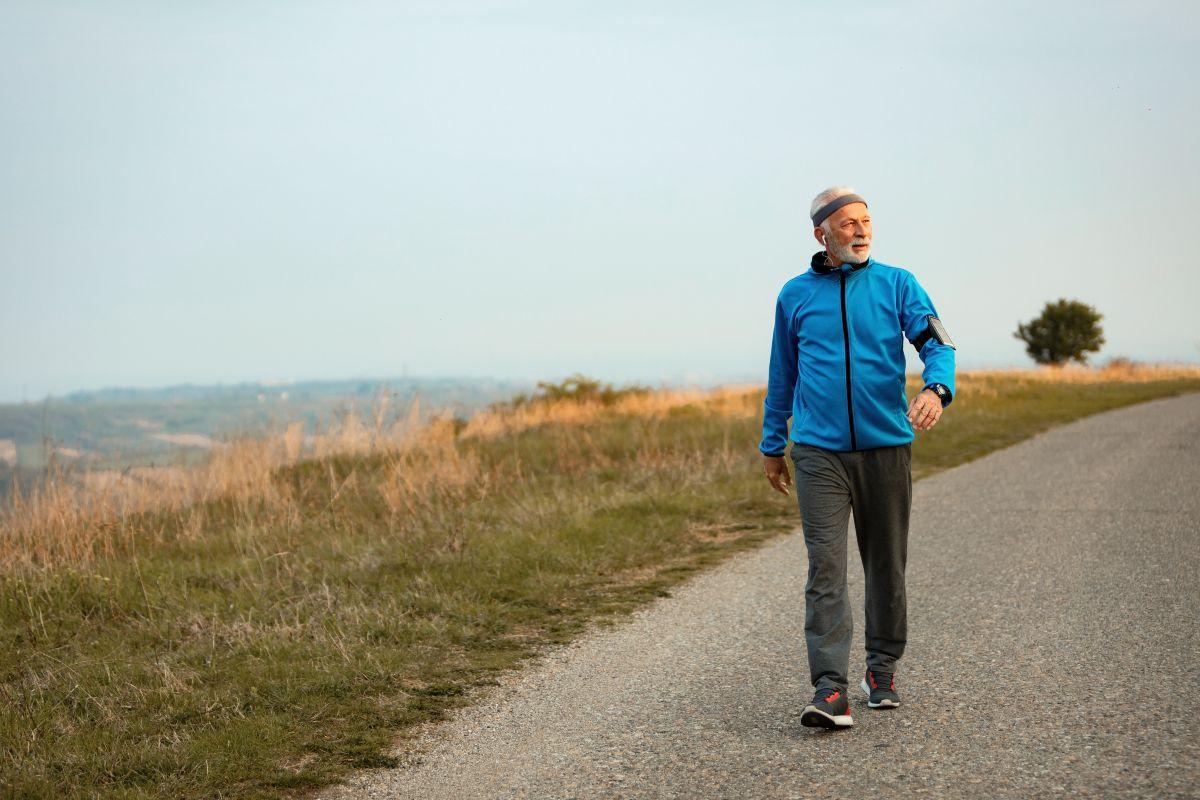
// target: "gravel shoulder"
[[1054, 651]]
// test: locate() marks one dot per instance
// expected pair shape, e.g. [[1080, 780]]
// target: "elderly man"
[[837, 370]]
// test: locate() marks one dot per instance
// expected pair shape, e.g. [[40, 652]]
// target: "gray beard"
[[846, 254]]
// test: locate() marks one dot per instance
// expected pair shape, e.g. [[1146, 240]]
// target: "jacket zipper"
[[849, 394]]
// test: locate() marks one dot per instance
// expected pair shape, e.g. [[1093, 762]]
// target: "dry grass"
[[500, 421], [1117, 370], [74, 517]]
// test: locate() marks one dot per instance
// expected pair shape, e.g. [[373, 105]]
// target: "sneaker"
[[829, 709], [881, 690]]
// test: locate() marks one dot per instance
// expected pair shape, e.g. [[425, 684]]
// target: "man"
[[837, 370]]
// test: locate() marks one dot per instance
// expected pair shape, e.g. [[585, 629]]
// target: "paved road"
[[1054, 651]]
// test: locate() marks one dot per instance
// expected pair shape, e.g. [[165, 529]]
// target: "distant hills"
[[125, 427]]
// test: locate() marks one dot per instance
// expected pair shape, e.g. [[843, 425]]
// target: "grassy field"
[[261, 628]]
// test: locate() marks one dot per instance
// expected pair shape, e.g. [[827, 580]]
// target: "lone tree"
[[1066, 329]]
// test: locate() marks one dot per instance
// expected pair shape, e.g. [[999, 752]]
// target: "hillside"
[[264, 623]]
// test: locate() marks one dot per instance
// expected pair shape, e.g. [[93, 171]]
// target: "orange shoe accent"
[[875, 685]]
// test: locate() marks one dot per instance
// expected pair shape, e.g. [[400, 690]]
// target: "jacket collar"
[[820, 264]]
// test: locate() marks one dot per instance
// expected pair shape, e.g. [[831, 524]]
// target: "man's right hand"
[[777, 473]]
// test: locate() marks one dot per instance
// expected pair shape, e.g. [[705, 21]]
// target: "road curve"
[[1054, 651]]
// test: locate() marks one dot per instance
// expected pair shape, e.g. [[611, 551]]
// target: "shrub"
[[577, 388], [1065, 330]]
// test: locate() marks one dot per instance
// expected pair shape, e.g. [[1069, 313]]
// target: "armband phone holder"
[[934, 330]]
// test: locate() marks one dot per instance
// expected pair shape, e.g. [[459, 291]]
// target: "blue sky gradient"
[[218, 192]]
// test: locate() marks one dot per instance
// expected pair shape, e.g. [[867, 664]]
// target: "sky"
[[216, 192]]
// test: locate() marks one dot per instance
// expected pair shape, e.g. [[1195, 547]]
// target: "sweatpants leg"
[[881, 496], [823, 494]]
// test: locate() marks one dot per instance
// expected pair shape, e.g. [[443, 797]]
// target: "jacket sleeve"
[[781, 384], [915, 310]]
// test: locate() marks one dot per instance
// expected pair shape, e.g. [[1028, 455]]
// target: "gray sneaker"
[[881, 690]]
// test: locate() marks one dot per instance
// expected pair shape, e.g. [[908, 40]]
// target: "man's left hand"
[[925, 410]]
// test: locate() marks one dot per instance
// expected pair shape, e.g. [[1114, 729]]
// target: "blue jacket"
[[837, 357]]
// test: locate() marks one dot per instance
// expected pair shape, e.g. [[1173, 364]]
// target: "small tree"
[[1066, 329], [576, 389]]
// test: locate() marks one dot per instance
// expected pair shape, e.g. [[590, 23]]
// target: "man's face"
[[850, 238]]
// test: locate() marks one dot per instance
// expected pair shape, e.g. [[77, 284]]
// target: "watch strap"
[[942, 391]]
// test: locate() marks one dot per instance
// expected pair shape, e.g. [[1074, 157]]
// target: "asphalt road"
[[1054, 651]]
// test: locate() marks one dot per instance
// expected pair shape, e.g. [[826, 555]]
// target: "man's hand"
[[777, 473], [925, 410]]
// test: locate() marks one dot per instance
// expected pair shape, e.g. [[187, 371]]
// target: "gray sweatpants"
[[876, 485]]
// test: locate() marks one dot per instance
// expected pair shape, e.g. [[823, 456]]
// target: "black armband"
[[934, 330]]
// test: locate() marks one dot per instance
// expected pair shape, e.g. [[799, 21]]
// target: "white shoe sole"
[[885, 703], [814, 717]]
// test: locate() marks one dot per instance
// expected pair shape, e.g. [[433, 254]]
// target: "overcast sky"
[[218, 192]]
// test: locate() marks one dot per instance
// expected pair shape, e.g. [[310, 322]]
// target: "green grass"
[[270, 651]]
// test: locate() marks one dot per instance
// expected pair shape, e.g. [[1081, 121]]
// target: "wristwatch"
[[942, 391]]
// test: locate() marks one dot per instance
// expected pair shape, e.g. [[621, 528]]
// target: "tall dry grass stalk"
[[430, 470]]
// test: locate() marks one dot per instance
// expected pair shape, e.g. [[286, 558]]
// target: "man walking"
[[837, 370]]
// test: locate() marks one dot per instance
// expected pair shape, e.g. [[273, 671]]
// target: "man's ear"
[[820, 234]]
